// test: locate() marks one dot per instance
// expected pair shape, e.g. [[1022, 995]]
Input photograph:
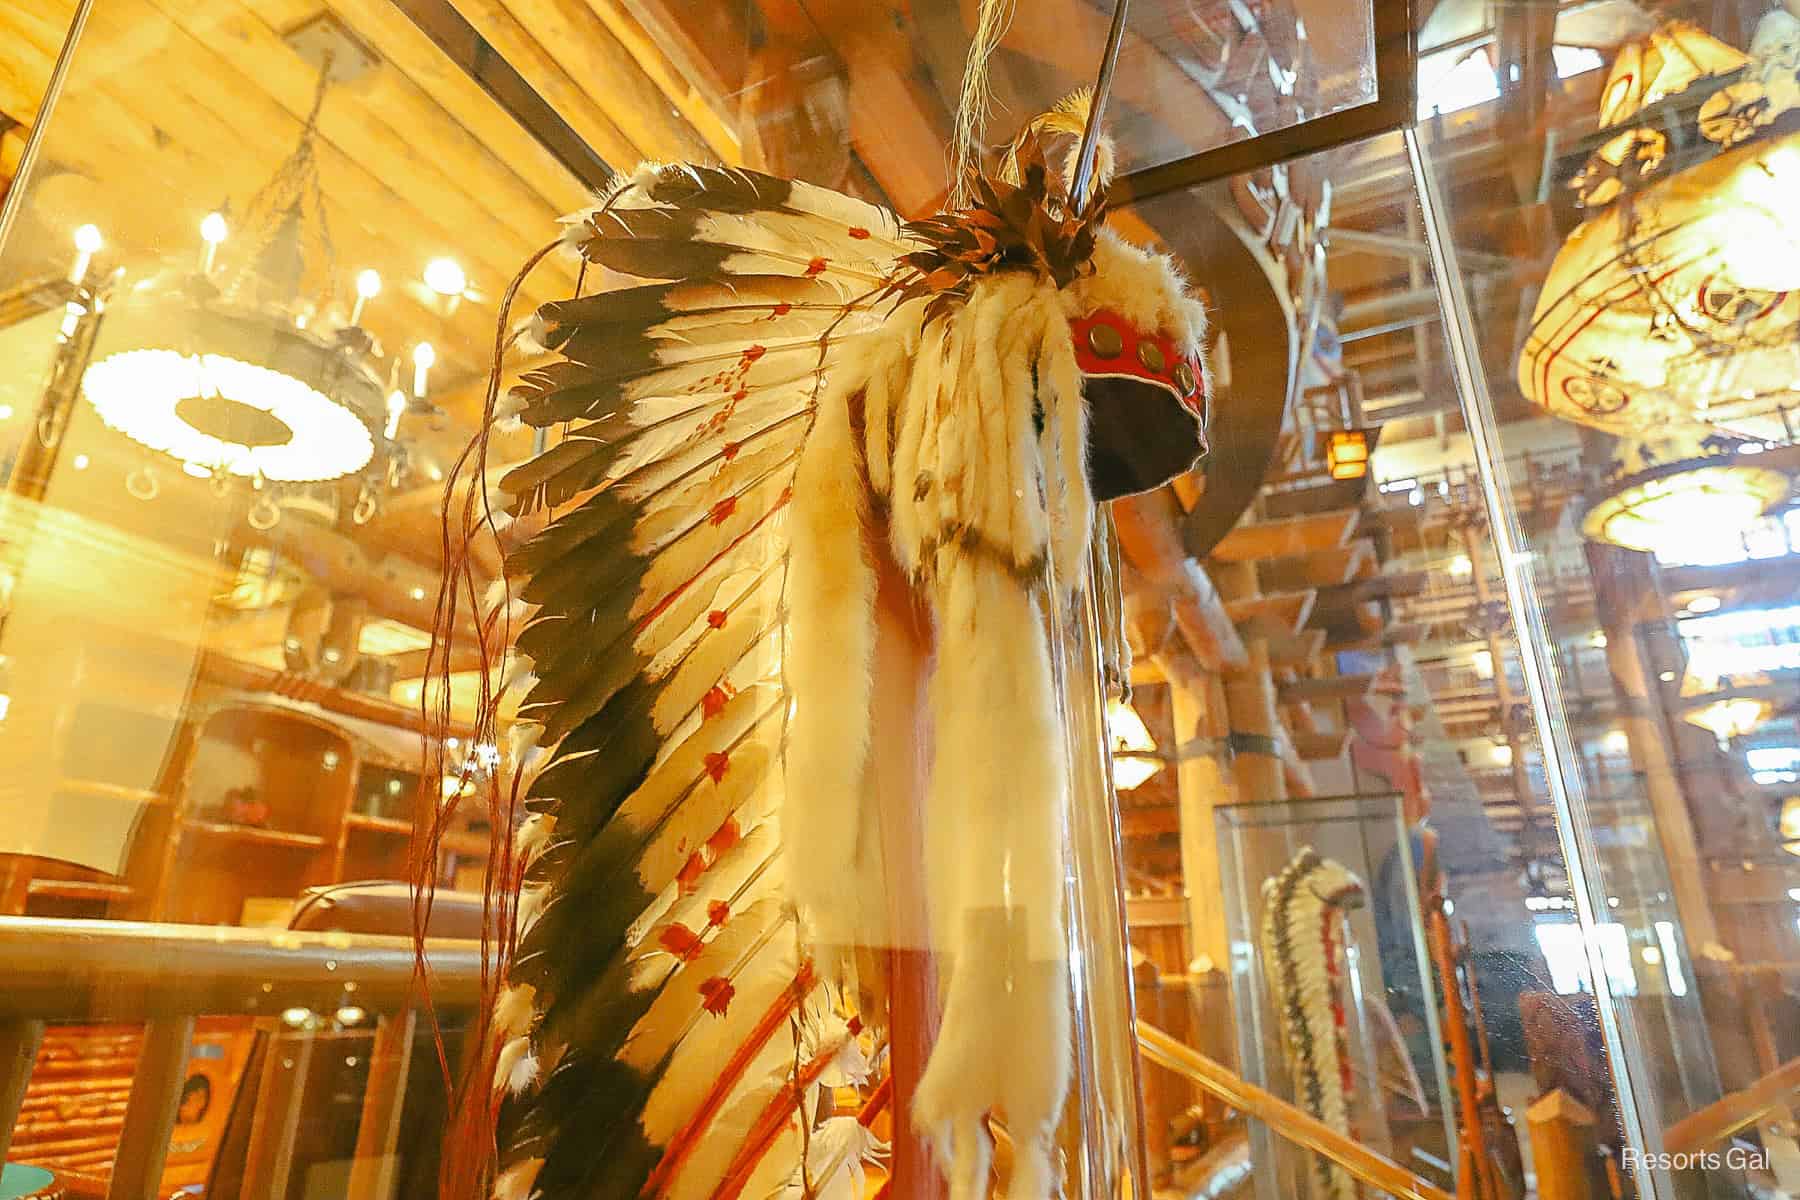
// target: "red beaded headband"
[[1108, 345]]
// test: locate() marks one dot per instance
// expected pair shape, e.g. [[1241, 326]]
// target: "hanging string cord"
[[976, 97]]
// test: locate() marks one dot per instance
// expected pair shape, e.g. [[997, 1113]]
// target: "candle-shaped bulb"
[[213, 230], [423, 358], [87, 244], [368, 286], [396, 407]]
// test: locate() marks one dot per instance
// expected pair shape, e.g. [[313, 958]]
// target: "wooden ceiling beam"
[[705, 114], [109, 134], [1291, 536], [497, 25], [571, 34], [354, 137], [410, 53], [1329, 567], [898, 124]]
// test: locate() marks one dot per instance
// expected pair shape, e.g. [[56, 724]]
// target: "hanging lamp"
[[226, 377], [1676, 300]]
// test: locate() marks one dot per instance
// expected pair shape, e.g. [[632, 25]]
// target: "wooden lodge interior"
[[224, 686]]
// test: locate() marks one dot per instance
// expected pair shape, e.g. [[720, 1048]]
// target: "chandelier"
[[1676, 300], [224, 376], [1676, 495]]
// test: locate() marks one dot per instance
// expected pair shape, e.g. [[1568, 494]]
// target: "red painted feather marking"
[[724, 838], [815, 267], [721, 512], [717, 913], [716, 618], [718, 994], [713, 703], [662, 605], [753, 353], [717, 763], [681, 941], [730, 450], [859, 233], [689, 876], [684, 1141], [782, 310], [769, 1123]]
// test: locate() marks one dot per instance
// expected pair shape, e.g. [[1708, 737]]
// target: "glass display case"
[[1485, 592], [1327, 925]]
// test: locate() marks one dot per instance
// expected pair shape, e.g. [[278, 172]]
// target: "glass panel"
[[1626, 272], [828, 91], [1347, 880], [248, 304]]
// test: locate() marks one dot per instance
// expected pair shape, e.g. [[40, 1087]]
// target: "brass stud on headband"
[[1105, 341], [1184, 377], [1151, 355]]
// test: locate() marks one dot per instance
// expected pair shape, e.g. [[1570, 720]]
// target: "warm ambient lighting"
[[1674, 302], [225, 414], [1461, 567], [1665, 508], [1134, 750], [1732, 717], [213, 228], [368, 286], [87, 244], [1347, 454], [445, 277]]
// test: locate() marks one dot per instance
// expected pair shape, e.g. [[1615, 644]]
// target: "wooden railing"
[[165, 976], [1294, 1124]]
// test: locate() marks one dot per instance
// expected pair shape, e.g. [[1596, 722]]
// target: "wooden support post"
[[1198, 709], [19, 1041], [1625, 600], [373, 1169], [150, 1113], [1562, 1146], [1250, 701]]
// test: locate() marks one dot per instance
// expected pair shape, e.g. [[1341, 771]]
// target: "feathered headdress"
[[804, 395]]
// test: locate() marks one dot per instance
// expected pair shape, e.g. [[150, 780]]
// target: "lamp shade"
[[1675, 302], [1674, 505], [234, 392]]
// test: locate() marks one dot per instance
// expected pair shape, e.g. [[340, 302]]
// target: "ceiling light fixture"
[[1674, 301], [445, 277], [225, 377]]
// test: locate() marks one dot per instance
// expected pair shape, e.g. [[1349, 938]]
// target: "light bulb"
[[445, 277], [1704, 603], [424, 355], [213, 228], [88, 239], [368, 284]]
